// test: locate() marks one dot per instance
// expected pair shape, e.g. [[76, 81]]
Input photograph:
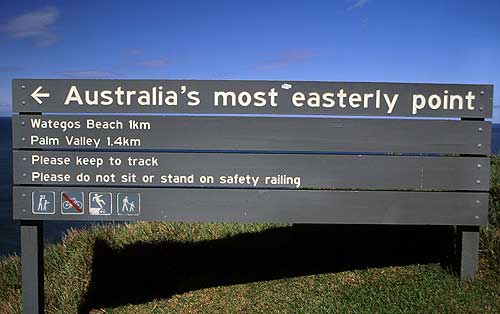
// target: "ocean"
[[53, 230]]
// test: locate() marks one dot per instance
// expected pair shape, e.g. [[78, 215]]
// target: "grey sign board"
[[228, 170], [253, 97], [257, 205], [251, 134], [248, 151]]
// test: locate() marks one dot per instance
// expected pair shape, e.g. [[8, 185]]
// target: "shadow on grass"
[[142, 272]]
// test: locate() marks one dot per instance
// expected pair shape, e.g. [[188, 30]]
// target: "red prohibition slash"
[[78, 209]]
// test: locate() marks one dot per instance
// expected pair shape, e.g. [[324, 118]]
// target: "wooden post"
[[468, 251], [32, 266]]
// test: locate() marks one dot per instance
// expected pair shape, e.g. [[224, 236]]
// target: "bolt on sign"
[[252, 151]]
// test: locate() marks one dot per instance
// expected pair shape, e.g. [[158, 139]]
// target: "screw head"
[[23, 139], [479, 165], [23, 102], [480, 108], [481, 92], [23, 86], [478, 181], [23, 123], [478, 202], [23, 195], [480, 129], [479, 145], [24, 158], [24, 174]]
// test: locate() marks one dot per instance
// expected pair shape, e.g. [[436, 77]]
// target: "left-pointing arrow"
[[37, 95]]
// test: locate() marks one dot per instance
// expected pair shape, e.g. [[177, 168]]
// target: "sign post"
[[32, 266], [248, 151]]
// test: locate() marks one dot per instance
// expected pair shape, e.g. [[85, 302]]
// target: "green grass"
[[425, 288]]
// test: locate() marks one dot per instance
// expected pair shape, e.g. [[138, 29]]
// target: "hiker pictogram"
[[129, 204], [43, 203]]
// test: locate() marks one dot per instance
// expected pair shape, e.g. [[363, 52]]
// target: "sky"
[[346, 40]]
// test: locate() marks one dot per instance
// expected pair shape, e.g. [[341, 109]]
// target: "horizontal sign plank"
[[252, 97], [250, 205], [223, 170], [251, 134]]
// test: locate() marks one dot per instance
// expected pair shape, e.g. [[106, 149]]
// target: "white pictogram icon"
[[129, 204], [100, 203], [98, 199], [42, 203], [72, 202], [68, 205]]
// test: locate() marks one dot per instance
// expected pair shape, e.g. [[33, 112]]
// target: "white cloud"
[[88, 74], [36, 25], [356, 4], [136, 52], [286, 58], [9, 68]]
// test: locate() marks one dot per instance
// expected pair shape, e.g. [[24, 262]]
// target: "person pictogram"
[[42, 203], [127, 206], [97, 198], [100, 203]]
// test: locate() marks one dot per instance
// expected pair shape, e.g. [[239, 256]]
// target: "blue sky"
[[345, 40]]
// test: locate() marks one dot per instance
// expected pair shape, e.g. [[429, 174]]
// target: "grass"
[[72, 269]]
